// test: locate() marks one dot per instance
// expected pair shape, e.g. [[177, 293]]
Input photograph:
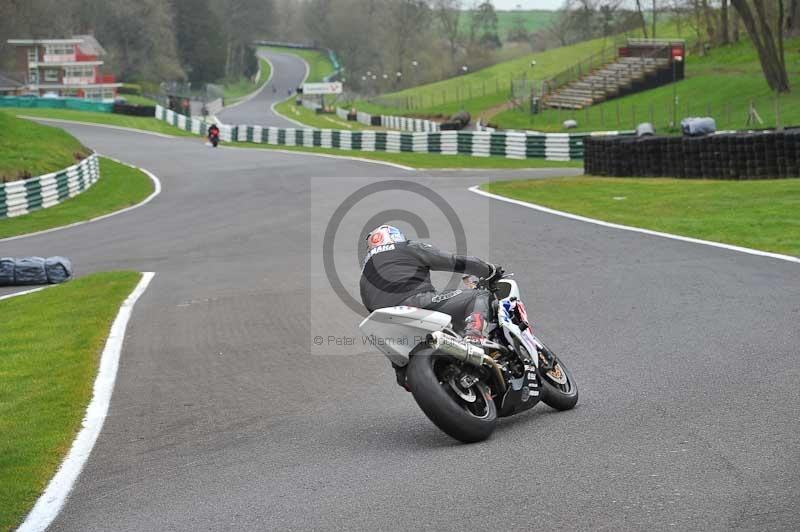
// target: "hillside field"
[[534, 20], [721, 85]]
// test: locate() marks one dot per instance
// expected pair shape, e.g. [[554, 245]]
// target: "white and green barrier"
[[402, 123], [408, 124], [342, 113], [512, 145], [26, 195], [182, 122]]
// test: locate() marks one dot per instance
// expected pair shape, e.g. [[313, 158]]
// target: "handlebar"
[[487, 285]]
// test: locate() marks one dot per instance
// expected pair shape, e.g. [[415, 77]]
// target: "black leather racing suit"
[[400, 274]]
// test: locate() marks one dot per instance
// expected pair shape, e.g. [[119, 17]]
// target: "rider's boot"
[[400, 373], [475, 330]]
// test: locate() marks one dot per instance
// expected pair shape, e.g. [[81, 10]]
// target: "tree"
[[793, 17], [483, 24], [518, 32], [641, 17], [607, 17], [655, 12], [201, 46], [708, 16], [767, 35], [448, 13], [242, 21], [724, 31]]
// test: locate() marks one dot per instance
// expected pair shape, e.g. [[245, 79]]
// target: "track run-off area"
[[227, 413]]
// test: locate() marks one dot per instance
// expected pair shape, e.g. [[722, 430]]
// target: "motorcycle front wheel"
[[467, 414], [559, 390]]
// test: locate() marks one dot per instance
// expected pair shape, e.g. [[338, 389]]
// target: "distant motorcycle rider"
[[213, 131], [397, 272]]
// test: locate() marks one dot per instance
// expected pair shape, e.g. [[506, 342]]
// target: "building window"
[[33, 56], [33, 76], [51, 75], [79, 72], [59, 49]]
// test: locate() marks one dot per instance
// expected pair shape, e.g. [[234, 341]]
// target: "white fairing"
[[395, 331], [512, 331]]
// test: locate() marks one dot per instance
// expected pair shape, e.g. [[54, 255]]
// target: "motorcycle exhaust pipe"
[[466, 352], [456, 348]]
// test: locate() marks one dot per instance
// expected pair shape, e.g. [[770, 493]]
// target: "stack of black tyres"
[[754, 155], [34, 271]]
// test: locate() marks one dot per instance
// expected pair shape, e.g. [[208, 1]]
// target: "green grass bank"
[[119, 186], [763, 215], [143, 123], [721, 84], [49, 354], [28, 149]]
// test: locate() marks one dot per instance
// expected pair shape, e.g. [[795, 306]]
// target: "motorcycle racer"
[[396, 272]]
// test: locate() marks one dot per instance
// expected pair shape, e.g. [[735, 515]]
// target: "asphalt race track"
[[227, 416], [289, 71]]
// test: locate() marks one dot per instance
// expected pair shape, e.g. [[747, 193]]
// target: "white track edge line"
[[476, 189], [107, 126], [49, 504], [148, 199], [24, 292]]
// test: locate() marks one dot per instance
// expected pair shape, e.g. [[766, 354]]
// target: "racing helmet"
[[384, 234]]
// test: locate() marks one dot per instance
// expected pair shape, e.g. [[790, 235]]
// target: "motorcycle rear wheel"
[[465, 421]]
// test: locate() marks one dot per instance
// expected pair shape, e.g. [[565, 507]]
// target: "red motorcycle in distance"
[[213, 135]]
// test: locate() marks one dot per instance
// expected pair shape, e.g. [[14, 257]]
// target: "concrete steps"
[[605, 82]]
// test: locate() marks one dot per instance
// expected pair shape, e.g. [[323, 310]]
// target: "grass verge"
[[289, 109], [48, 360], [244, 87], [144, 123], [119, 186], [428, 160], [762, 215], [31, 149]]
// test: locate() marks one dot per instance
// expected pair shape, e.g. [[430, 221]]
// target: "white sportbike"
[[463, 387]]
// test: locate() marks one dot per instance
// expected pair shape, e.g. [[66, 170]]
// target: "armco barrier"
[[755, 155], [26, 195], [512, 145]]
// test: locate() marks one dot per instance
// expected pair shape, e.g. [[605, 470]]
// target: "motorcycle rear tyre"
[[441, 408]]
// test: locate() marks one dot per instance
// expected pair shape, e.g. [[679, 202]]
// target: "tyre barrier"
[[752, 155], [133, 110], [27, 195], [34, 270], [511, 145]]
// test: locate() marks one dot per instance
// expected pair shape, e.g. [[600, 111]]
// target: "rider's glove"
[[495, 275]]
